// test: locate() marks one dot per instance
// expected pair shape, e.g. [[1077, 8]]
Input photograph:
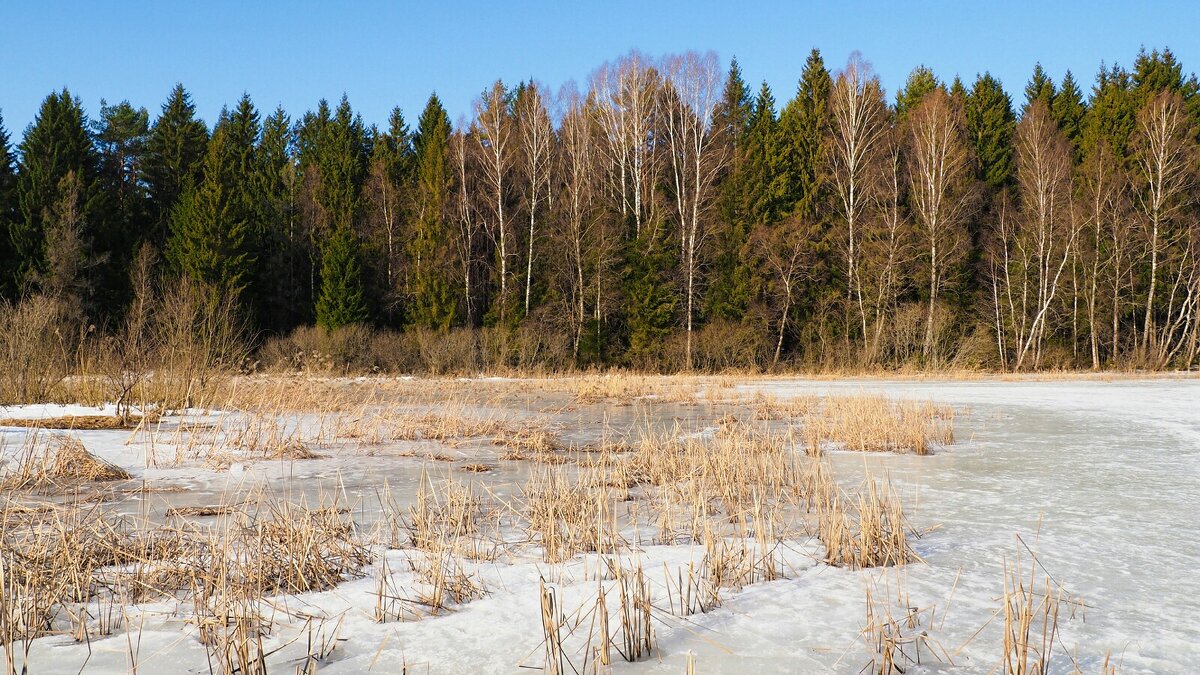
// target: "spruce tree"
[[803, 124], [342, 301], [389, 195], [991, 124], [242, 135], [431, 295], [1069, 110], [210, 230], [174, 158], [651, 299], [57, 145], [920, 82], [334, 147], [282, 257], [8, 215], [1039, 88], [1112, 115], [727, 296]]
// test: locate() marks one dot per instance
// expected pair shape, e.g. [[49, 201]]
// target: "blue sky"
[[383, 54]]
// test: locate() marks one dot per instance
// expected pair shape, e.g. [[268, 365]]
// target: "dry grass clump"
[[773, 408], [868, 529], [567, 515], [81, 422], [59, 461], [898, 633], [880, 424], [1032, 605]]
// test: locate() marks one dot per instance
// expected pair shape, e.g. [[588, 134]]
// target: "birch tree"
[[626, 96], [536, 141], [858, 123], [1035, 245], [695, 84], [496, 150], [1165, 156], [941, 194]]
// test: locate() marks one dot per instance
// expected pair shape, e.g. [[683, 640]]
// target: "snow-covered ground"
[[1101, 479]]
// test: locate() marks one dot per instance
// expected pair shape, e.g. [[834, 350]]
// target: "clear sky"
[[383, 54]]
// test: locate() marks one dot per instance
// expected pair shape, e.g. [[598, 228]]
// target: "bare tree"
[[385, 199], [888, 242], [626, 97], [536, 137], [1034, 246], [466, 216], [1165, 157], [494, 136], [857, 127], [1104, 252], [941, 191], [786, 249], [580, 217], [696, 159]]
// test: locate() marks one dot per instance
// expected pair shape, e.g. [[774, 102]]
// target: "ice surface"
[[1101, 478]]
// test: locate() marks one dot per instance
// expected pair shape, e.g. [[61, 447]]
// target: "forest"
[[665, 215]]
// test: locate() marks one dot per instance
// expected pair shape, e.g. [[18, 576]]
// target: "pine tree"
[[432, 301], [121, 136], [920, 82], [1039, 88], [990, 124], [342, 301], [1069, 110], [58, 144], [174, 158], [766, 177]]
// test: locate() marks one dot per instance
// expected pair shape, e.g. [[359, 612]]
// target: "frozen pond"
[[1100, 478]]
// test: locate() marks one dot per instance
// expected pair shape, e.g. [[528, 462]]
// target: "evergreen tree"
[[242, 135], [727, 296], [1069, 110], [121, 136], [431, 294], [281, 259], [174, 158], [389, 193], [990, 124], [1039, 88], [766, 174], [1112, 114], [958, 91], [803, 124], [8, 215], [210, 229], [342, 301], [334, 147], [920, 82], [1156, 71], [651, 299], [56, 145]]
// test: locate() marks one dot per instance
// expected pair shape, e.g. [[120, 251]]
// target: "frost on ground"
[[720, 525]]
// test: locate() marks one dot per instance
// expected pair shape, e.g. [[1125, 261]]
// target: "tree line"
[[664, 215]]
